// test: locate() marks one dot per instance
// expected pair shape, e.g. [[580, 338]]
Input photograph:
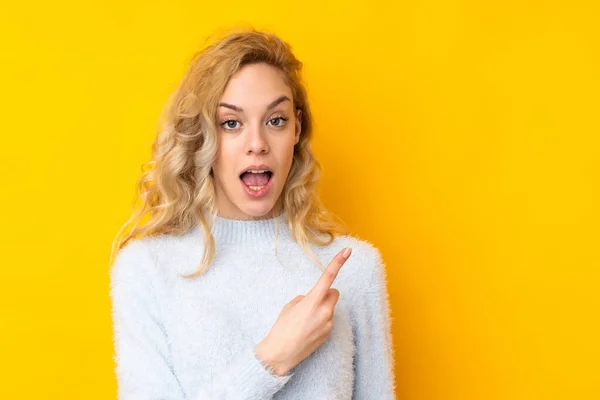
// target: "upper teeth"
[[257, 171]]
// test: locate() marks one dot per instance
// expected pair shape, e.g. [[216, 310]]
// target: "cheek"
[[287, 157], [223, 159]]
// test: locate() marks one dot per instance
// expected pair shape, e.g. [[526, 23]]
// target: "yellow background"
[[460, 137]]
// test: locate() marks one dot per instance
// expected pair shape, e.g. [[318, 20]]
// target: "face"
[[258, 127]]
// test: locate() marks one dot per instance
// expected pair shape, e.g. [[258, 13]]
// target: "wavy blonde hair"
[[177, 189]]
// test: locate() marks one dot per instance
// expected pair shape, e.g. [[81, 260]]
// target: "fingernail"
[[346, 252]]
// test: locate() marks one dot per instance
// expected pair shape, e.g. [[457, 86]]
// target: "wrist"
[[269, 361]]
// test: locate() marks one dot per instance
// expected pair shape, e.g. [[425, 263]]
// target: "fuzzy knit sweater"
[[181, 338]]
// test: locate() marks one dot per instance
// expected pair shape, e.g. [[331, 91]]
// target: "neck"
[[252, 232]]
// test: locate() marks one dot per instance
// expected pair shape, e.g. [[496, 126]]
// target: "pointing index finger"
[[330, 273]]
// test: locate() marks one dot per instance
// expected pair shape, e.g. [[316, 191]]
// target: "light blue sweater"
[[178, 338]]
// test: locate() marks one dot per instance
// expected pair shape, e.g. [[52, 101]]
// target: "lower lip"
[[256, 194]]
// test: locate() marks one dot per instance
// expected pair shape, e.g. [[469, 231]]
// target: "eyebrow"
[[273, 104]]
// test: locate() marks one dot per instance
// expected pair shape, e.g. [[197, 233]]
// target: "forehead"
[[255, 86]]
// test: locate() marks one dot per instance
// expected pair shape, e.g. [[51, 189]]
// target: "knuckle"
[[329, 325], [294, 301], [327, 313]]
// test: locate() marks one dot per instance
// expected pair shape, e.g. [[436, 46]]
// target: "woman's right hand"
[[304, 323]]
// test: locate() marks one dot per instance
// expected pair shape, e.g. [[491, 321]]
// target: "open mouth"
[[257, 180]]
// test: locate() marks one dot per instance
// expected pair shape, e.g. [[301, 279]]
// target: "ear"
[[298, 126]]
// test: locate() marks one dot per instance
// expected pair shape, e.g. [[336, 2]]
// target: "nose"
[[255, 141]]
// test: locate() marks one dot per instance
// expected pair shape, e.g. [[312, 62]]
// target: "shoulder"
[[364, 252], [155, 258], [132, 266], [364, 270]]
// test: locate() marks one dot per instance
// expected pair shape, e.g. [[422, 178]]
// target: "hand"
[[304, 323]]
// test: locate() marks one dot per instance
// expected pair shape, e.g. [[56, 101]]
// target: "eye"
[[229, 124], [278, 121]]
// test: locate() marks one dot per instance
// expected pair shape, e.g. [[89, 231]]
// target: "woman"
[[206, 286]]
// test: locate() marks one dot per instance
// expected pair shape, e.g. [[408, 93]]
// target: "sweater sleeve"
[[144, 369], [374, 358]]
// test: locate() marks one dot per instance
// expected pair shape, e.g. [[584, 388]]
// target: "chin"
[[248, 207], [259, 210]]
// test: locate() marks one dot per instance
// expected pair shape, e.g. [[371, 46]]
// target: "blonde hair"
[[177, 189]]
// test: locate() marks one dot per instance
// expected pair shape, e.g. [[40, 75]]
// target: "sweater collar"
[[256, 233]]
